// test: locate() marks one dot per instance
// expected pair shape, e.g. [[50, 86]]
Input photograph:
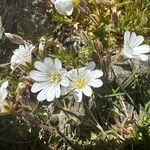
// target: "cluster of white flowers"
[[132, 49], [52, 80]]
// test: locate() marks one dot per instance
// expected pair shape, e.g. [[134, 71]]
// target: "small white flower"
[[133, 47], [64, 7], [3, 95], [49, 79], [21, 56], [81, 81]]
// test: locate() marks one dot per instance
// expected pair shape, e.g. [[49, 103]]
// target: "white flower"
[[3, 95], [64, 7], [49, 79], [21, 56], [81, 81], [133, 47]]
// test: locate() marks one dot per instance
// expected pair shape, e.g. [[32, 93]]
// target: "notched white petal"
[[38, 76], [87, 91], [142, 49], [40, 66], [96, 83], [91, 65], [139, 40], [65, 82], [42, 95], [126, 37], [96, 74], [143, 57], [57, 91], [38, 86], [50, 95], [58, 64], [48, 62]]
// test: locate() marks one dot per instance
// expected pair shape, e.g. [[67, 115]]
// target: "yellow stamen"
[[55, 77], [80, 83]]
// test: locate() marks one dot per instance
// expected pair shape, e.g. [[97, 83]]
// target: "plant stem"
[[75, 147], [89, 111], [59, 105]]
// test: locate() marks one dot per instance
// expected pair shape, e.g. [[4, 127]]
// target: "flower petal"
[[48, 62], [141, 49], [77, 95], [58, 64], [91, 65], [3, 91], [42, 95], [64, 7], [126, 37], [132, 39], [51, 94], [57, 91], [38, 86], [63, 72], [142, 57], [96, 83], [38, 76], [96, 74], [87, 91], [3, 94], [139, 40], [127, 52], [65, 82], [40, 66], [65, 90], [21, 56], [69, 11], [59, 8], [4, 85], [15, 61], [72, 75]]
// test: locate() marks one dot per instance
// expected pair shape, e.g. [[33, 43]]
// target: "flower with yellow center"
[[50, 77], [81, 81]]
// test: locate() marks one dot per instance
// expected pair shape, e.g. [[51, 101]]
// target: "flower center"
[[80, 83], [55, 77]]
